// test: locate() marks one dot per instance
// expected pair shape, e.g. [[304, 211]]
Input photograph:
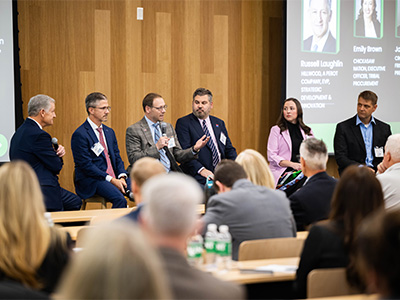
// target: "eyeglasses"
[[104, 108], [161, 107]]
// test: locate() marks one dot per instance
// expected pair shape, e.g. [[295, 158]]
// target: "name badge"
[[222, 138], [97, 148], [171, 142], [378, 151]]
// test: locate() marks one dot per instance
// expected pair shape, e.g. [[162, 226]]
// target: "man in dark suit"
[[191, 127], [99, 168], [322, 40], [154, 138], [34, 145], [360, 140], [169, 218], [312, 201]]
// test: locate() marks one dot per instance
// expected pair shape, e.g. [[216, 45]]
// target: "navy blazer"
[[189, 131], [349, 144], [90, 168]]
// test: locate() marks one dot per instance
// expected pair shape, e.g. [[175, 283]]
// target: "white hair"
[[393, 146], [171, 202], [39, 102], [315, 153]]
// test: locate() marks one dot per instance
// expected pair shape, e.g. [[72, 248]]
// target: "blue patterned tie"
[[215, 156], [163, 157]]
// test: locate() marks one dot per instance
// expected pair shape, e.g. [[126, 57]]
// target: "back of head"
[[116, 262], [228, 172], [315, 153], [378, 247], [369, 96], [145, 168], [393, 146], [22, 224], [256, 168], [171, 203], [37, 103]]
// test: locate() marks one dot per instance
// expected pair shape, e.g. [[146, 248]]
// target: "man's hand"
[[205, 173], [296, 166], [162, 142], [120, 184], [381, 168], [201, 143], [60, 151]]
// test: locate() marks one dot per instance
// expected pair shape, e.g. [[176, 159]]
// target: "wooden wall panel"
[[72, 48]]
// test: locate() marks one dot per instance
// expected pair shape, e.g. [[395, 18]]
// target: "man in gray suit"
[[154, 138], [169, 217], [251, 212]]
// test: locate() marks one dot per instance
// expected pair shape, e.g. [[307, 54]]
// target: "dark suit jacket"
[[360, 27], [140, 143], [330, 44], [189, 130], [90, 168], [10, 289], [33, 145], [349, 144], [312, 202], [187, 282]]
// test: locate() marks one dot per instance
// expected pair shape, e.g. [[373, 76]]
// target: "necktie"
[[215, 156], [163, 157], [315, 48], [110, 170]]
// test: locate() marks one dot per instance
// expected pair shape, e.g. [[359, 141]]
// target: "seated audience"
[[32, 254], [117, 262], [169, 217], [389, 172], [312, 202], [143, 169], [330, 244], [256, 168], [251, 211], [378, 248]]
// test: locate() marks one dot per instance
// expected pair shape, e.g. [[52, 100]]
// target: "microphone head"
[[163, 127], [54, 141]]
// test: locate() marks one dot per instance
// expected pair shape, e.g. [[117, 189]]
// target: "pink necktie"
[[110, 170]]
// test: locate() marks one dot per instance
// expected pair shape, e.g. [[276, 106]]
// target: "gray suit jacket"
[[140, 143], [187, 282], [251, 212]]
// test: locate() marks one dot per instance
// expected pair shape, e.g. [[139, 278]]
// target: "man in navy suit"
[[193, 126], [34, 145], [99, 168], [360, 140]]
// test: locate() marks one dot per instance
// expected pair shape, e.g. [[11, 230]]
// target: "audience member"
[[152, 137], [360, 139], [193, 126], [143, 169], [256, 168], [117, 262], [32, 254], [34, 145], [330, 244], [312, 202], [251, 211], [285, 138], [99, 168], [389, 172], [169, 217], [378, 248]]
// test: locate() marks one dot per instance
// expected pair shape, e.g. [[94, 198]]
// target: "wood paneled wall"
[[232, 47]]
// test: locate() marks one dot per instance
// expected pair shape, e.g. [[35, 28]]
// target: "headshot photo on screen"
[[398, 18], [319, 26], [368, 18]]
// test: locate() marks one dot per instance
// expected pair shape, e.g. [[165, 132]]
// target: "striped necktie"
[[163, 157], [215, 156], [110, 170]]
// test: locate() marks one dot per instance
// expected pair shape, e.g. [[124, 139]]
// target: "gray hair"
[[171, 202], [315, 153], [393, 146], [39, 102], [329, 2]]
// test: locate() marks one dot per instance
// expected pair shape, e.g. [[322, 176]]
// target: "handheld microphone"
[[54, 141], [163, 127]]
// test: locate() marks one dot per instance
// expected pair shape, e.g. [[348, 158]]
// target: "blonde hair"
[[24, 232], [256, 167], [117, 262], [146, 168]]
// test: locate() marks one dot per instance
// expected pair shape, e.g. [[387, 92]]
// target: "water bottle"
[[48, 218], [224, 248], [209, 244], [195, 250]]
